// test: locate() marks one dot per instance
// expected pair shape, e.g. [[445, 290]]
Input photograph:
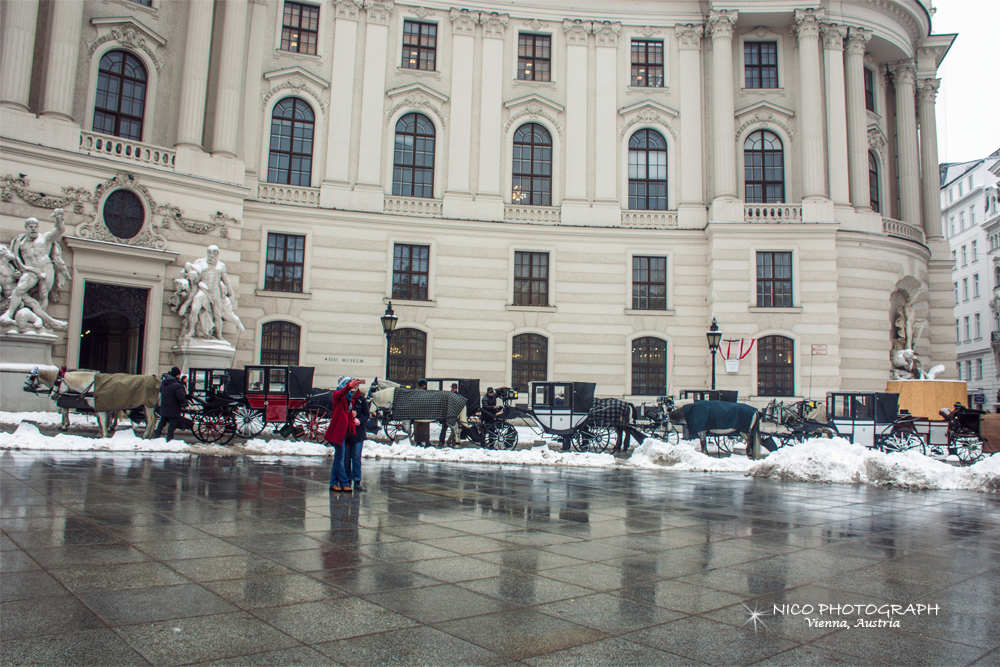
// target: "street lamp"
[[714, 336], [389, 321]]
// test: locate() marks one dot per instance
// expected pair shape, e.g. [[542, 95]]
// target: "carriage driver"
[[173, 399], [490, 410]]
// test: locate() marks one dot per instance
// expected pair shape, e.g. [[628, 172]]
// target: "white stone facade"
[[216, 71]]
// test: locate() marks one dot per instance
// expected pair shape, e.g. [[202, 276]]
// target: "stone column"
[[857, 118], [373, 96], [491, 139], [338, 138], [904, 79], [720, 24], [606, 111], [810, 102], [65, 21], [194, 84], [228, 92], [930, 183], [463, 25], [17, 52], [577, 106], [689, 159], [836, 113]]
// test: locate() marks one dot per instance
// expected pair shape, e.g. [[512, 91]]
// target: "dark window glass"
[[531, 278], [763, 168], [534, 57], [647, 64], [873, 192], [407, 356], [419, 45], [300, 28], [532, 166], [760, 64], [123, 214], [286, 260], [290, 158], [869, 90], [147, 3], [774, 280], [413, 157], [649, 367], [410, 265], [775, 367], [121, 96], [529, 360], [279, 344], [649, 283], [647, 171]]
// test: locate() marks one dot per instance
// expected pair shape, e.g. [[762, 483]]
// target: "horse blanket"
[[424, 404], [712, 416], [613, 411], [120, 391]]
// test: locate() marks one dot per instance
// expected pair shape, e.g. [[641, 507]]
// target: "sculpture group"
[[204, 298], [906, 364], [32, 272]]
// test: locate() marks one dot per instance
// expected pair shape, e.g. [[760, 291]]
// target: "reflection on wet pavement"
[[170, 560]]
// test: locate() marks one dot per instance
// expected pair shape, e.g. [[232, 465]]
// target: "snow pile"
[[27, 436], [653, 453], [46, 418], [835, 460], [540, 455]]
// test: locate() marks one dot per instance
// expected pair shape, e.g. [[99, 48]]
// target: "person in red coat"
[[342, 424]]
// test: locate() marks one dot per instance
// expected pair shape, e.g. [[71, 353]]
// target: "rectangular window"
[[958, 364], [774, 280], [760, 64], [952, 224], [979, 368], [410, 271], [965, 257], [961, 189], [958, 332], [974, 253], [972, 217], [968, 368], [965, 324], [869, 90], [300, 28], [285, 266], [965, 289], [147, 3], [647, 64], [531, 278], [419, 45], [961, 220], [970, 182], [975, 286], [534, 57], [956, 292], [649, 283], [978, 330]]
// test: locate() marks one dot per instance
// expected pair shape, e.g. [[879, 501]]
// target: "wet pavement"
[[120, 559]]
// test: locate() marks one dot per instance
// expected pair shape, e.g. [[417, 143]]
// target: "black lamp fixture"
[[389, 321], [714, 336]]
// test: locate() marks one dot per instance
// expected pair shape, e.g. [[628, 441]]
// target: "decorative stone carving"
[[649, 113], [807, 22], [857, 40], [171, 214], [903, 72], [97, 229], [764, 113], [204, 298], [607, 32], [379, 11], [493, 24], [577, 31], [533, 106], [833, 36], [535, 24], [689, 35], [417, 96], [19, 186], [721, 23], [927, 90], [463, 21], [423, 12], [296, 80], [906, 363], [648, 31], [38, 259], [348, 9], [129, 33]]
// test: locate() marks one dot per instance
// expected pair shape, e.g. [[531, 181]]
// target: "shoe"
[[358, 487], [345, 489], [335, 488]]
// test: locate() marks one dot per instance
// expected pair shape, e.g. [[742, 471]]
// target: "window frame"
[[531, 175], [760, 68], [633, 283], [764, 183], [397, 296], [645, 152], [414, 169], [281, 319], [395, 360], [874, 186], [271, 287], [531, 280], [869, 84], [117, 113], [545, 364], [290, 153], [317, 32], [650, 80], [297, 230], [790, 281], [645, 369], [762, 369], [550, 59], [405, 48]]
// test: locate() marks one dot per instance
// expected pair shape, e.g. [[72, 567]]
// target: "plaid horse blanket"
[[720, 416], [613, 411], [427, 405], [121, 391]]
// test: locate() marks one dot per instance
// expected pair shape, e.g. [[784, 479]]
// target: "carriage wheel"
[[249, 421], [900, 441], [592, 438], [396, 430], [823, 432], [672, 434], [968, 448], [723, 444], [500, 435], [313, 423], [214, 427]]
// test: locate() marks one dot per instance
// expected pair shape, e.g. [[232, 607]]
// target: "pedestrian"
[[361, 410], [342, 424], [421, 429], [173, 399], [444, 425]]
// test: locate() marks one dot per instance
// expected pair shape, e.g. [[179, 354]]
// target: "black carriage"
[[794, 423], [564, 409], [285, 395]]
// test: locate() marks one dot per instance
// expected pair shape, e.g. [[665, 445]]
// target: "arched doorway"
[[113, 328]]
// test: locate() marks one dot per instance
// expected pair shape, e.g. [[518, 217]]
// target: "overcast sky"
[[968, 102]]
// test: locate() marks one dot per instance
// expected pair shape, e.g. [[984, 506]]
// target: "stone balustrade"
[[432, 208], [649, 219], [288, 194], [532, 214], [126, 150], [902, 230], [772, 213]]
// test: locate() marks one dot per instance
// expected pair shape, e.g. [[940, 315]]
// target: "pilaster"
[[605, 108], [17, 52], [904, 79], [194, 84], [228, 96], [63, 48], [720, 25], [369, 190], [857, 118], [577, 37], [457, 197], [810, 100], [836, 113], [489, 199], [930, 184], [690, 151], [335, 188]]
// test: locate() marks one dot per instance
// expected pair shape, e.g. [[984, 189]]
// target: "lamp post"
[[714, 336], [389, 321]]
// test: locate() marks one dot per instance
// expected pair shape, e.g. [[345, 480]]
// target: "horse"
[[104, 394], [422, 405], [619, 415], [716, 418]]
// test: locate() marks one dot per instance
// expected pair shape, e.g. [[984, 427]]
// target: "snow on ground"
[[832, 460]]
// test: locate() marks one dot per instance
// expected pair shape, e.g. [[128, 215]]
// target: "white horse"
[[384, 398], [105, 394]]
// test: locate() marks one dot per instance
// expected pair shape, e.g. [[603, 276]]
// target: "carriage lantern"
[[389, 321], [714, 336]]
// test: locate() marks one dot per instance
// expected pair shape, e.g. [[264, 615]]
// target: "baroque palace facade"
[[543, 190]]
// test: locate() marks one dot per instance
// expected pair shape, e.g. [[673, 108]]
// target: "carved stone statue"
[[204, 298], [38, 259], [905, 317], [906, 364]]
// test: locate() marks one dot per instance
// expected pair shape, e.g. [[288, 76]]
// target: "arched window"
[[290, 159], [413, 157], [279, 343], [647, 171], [649, 367], [775, 366], [873, 191], [407, 356], [529, 361], [763, 168], [121, 95], [532, 167]]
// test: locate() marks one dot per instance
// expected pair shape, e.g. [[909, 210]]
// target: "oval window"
[[124, 215]]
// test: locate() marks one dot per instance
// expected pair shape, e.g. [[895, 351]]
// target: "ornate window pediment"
[[418, 97], [765, 113], [296, 80], [533, 106], [648, 112], [128, 32], [877, 140]]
